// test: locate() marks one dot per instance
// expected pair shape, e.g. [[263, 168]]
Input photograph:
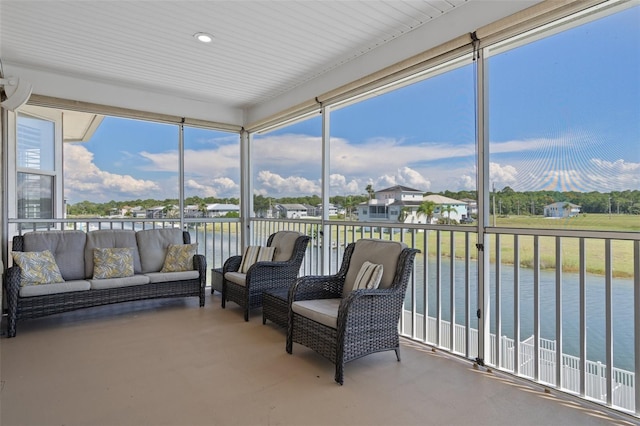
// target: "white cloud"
[[590, 175], [390, 155], [287, 151], [339, 185], [218, 162], [467, 182], [502, 175], [618, 175], [274, 184], [84, 180], [219, 187], [195, 188]]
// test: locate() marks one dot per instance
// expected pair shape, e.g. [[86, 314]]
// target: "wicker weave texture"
[[275, 307], [20, 308], [262, 276], [367, 318]]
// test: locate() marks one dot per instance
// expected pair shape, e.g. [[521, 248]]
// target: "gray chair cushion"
[[110, 238], [119, 282], [324, 311], [284, 242], [153, 244], [381, 252], [236, 278], [67, 248], [45, 289]]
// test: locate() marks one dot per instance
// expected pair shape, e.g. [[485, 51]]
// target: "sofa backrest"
[[110, 238], [153, 244], [284, 242], [382, 252], [67, 248]]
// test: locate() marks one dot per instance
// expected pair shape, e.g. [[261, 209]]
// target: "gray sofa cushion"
[[152, 246], [119, 282], [67, 248], [110, 238], [45, 289], [381, 252], [284, 242], [163, 277]]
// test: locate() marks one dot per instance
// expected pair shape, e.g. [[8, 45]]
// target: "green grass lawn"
[[592, 222]]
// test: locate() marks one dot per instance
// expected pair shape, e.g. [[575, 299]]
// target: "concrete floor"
[[171, 363]]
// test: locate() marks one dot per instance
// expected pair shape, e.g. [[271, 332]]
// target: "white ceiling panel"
[[261, 49]]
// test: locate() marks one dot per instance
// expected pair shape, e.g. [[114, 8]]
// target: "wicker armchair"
[[247, 289], [342, 325]]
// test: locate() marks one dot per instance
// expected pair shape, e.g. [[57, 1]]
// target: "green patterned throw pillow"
[[112, 263], [179, 258], [37, 267]]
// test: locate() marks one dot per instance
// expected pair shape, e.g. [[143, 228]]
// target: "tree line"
[[506, 201], [509, 202]]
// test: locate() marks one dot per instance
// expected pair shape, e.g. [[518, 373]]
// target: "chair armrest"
[[232, 264], [385, 303], [12, 286], [317, 287], [200, 265]]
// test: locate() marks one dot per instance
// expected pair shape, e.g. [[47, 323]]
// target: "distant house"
[[561, 209], [116, 212], [291, 211], [472, 206], [219, 210], [138, 212], [192, 211], [333, 210], [388, 205], [311, 210], [156, 212], [447, 208]]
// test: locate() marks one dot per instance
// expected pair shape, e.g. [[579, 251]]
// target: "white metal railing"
[[595, 385], [445, 284]]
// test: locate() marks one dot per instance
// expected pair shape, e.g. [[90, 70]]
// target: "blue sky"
[[564, 114]]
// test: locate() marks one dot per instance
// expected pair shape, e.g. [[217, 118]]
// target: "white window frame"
[[54, 116]]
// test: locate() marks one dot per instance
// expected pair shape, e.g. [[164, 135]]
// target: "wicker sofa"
[[73, 252]]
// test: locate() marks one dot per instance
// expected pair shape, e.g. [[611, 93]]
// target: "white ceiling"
[[266, 56]]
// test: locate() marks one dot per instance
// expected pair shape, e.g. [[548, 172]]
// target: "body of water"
[[622, 312]]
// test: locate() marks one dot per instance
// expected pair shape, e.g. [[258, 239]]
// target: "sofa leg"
[[246, 315], [398, 353]]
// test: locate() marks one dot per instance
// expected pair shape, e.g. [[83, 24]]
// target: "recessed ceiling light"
[[203, 37]]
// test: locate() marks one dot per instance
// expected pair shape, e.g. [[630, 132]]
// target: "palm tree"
[[370, 190], [404, 213], [427, 208], [448, 208]]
